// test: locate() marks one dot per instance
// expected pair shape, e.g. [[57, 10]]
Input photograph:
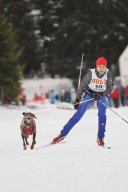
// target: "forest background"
[[48, 37]]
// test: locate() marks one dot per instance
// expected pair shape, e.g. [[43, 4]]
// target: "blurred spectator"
[[115, 96], [46, 96], [23, 99], [126, 94], [37, 97], [63, 95], [73, 95], [52, 97], [122, 95], [67, 96]]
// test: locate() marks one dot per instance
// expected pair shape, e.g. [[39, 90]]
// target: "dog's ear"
[[23, 113], [34, 116]]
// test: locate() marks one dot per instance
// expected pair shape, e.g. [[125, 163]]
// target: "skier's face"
[[101, 69]]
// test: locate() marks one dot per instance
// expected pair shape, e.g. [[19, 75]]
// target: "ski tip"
[[107, 147], [104, 146], [60, 142]]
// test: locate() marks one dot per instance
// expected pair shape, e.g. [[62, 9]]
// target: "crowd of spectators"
[[52, 96], [119, 96]]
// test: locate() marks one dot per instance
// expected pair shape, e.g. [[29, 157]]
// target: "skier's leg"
[[77, 116], [101, 117]]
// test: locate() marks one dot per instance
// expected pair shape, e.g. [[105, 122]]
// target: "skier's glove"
[[97, 95], [76, 104]]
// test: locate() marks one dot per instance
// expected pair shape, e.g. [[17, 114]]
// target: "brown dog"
[[28, 127]]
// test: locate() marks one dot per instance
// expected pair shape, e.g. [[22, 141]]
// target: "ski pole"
[[52, 108], [80, 69], [84, 101], [114, 111]]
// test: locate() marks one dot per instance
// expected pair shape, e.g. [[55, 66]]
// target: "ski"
[[50, 144], [63, 142], [104, 146], [60, 142]]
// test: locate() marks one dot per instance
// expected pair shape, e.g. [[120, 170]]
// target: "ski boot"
[[100, 141], [58, 139]]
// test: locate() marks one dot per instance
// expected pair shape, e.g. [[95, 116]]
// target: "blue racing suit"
[[80, 112]]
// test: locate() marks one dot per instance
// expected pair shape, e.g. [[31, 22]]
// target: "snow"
[[78, 165]]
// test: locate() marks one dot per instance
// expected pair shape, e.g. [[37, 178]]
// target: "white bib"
[[98, 84]]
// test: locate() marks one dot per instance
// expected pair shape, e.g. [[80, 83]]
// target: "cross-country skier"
[[96, 86]]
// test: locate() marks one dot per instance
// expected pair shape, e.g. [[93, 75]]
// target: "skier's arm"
[[84, 85], [109, 85]]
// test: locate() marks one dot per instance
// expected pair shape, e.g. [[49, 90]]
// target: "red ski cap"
[[101, 61]]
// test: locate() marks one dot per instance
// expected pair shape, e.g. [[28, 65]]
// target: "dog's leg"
[[27, 143], [34, 141], [24, 143]]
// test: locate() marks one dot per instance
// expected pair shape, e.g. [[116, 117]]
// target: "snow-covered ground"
[[75, 166]]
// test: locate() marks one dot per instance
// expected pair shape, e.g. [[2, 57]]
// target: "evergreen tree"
[[48, 24], [97, 28], [10, 69], [62, 30], [94, 27], [21, 15]]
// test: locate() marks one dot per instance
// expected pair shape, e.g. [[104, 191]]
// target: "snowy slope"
[[76, 166]]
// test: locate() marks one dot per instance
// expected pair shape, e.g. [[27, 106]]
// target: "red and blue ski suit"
[[84, 87]]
